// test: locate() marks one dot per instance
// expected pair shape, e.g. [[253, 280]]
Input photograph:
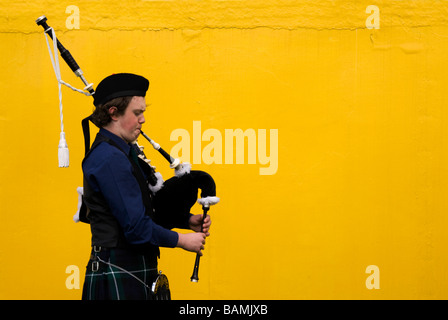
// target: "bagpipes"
[[173, 198]]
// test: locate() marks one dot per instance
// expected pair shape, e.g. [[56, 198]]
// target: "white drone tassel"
[[63, 154]]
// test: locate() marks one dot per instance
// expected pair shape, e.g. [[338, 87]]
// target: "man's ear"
[[112, 113]]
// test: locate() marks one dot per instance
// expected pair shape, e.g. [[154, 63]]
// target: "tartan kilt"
[[106, 282]]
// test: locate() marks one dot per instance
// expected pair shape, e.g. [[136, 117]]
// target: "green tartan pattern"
[[111, 283]]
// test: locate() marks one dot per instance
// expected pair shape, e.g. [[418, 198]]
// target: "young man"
[[125, 239]]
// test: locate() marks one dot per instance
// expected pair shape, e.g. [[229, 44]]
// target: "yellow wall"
[[362, 141]]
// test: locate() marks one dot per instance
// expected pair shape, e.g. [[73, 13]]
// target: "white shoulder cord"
[[63, 154]]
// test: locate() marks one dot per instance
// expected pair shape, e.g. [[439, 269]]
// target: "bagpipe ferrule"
[[175, 164], [159, 183], [182, 169], [208, 201]]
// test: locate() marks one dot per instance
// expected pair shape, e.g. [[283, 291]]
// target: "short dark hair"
[[101, 116]]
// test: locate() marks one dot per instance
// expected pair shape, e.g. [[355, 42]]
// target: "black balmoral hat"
[[120, 85], [114, 86]]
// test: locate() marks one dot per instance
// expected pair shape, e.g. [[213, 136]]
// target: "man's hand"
[[196, 221], [192, 241]]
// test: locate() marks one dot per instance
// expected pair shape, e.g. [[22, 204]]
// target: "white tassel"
[[63, 154]]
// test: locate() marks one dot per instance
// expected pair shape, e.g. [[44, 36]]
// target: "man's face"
[[130, 123]]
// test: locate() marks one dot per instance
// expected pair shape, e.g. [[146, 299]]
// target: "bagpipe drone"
[[172, 198]]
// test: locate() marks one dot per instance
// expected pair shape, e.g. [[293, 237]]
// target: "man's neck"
[[113, 129]]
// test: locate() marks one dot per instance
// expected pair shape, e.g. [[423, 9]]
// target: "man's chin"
[[137, 135]]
